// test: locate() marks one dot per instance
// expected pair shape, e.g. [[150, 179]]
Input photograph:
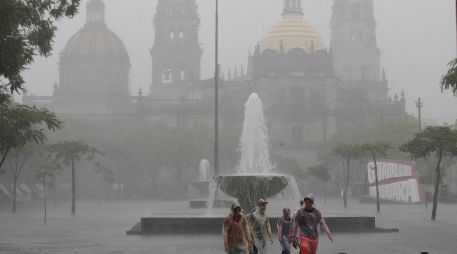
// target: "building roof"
[[95, 39], [95, 43], [293, 31]]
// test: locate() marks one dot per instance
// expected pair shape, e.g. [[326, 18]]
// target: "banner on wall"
[[398, 181]]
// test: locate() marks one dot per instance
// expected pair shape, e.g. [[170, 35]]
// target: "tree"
[[322, 173], [426, 177], [348, 153], [17, 159], [449, 80], [289, 166], [106, 176], [21, 124], [45, 175], [395, 132], [27, 29], [69, 152], [376, 149], [438, 141]]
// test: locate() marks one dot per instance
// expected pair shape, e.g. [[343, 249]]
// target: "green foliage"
[[440, 140], [27, 29], [289, 166], [106, 173], [17, 158], [394, 132], [426, 175], [47, 171], [152, 158], [21, 124], [449, 80], [348, 152], [321, 172], [68, 151], [377, 148]]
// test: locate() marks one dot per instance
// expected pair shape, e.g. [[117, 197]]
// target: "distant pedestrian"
[[260, 227], [284, 226], [237, 236], [307, 219]]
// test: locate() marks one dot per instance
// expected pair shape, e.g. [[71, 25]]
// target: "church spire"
[[292, 7]]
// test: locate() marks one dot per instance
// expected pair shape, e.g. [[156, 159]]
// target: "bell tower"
[[354, 48], [176, 54]]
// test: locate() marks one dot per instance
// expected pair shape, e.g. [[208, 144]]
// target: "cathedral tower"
[[354, 48], [176, 54]]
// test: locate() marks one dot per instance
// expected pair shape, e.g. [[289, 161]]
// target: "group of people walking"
[[250, 233]]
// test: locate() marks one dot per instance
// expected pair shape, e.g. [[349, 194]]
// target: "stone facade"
[[308, 89]]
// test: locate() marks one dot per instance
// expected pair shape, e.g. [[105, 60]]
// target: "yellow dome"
[[292, 32], [88, 42]]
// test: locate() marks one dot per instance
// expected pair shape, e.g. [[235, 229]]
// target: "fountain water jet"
[[255, 176], [199, 189]]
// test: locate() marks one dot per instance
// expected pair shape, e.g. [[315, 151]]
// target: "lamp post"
[[419, 106], [216, 93]]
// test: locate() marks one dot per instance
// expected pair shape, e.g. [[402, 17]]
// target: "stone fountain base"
[[199, 192], [213, 225], [248, 189]]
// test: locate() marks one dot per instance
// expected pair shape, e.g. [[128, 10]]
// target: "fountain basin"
[[160, 225], [248, 189]]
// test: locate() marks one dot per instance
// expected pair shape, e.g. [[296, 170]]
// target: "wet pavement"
[[101, 230]]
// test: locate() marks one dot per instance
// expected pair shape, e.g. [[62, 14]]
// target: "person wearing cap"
[[237, 236], [307, 220], [284, 225], [260, 227]]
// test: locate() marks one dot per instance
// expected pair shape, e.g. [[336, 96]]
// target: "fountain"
[[203, 170], [255, 177], [199, 189]]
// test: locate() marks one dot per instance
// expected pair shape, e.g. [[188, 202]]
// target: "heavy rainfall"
[[228, 126]]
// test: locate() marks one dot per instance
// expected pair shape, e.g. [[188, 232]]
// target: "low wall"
[[213, 225]]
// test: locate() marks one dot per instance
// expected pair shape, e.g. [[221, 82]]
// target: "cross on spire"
[[292, 7]]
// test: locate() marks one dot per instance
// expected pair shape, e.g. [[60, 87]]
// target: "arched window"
[[181, 35], [167, 76], [172, 33]]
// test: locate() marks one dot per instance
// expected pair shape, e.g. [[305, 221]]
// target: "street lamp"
[[216, 93], [419, 106]]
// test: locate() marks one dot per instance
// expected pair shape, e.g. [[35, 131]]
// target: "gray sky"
[[417, 38]]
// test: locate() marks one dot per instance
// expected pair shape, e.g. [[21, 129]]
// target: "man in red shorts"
[[307, 219]]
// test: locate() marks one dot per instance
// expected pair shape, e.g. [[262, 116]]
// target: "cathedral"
[[308, 87]]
